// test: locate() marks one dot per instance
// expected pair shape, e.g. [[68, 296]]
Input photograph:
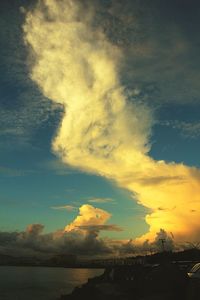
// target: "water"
[[39, 283]]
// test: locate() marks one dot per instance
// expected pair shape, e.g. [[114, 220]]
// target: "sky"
[[99, 124]]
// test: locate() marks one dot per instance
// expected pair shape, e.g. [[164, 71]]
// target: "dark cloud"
[[33, 242], [163, 241], [128, 248], [7, 238], [161, 45], [23, 109], [97, 228]]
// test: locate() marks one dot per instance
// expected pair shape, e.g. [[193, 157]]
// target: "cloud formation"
[[110, 227], [65, 207], [102, 131], [23, 108], [8, 172], [101, 200], [88, 216], [189, 130], [81, 237], [83, 240], [160, 48]]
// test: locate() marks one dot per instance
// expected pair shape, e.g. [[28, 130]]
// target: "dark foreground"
[[166, 281]]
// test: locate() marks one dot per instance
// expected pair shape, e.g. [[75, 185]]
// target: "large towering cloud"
[[101, 131], [88, 216]]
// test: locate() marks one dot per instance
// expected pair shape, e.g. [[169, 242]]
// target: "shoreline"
[[164, 282]]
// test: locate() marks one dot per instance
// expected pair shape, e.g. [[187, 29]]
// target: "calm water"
[[38, 283]]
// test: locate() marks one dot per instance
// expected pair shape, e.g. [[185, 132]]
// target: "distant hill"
[[67, 260], [186, 255]]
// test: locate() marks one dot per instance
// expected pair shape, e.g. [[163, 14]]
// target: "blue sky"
[[161, 66]]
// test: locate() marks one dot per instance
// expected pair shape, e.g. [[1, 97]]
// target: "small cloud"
[[166, 209], [11, 172], [187, 129], [66, 207], [22, 9], [108, 227], [101, 200], [161, 208]]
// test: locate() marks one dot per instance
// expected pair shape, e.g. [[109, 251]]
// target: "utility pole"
[[163, 241]]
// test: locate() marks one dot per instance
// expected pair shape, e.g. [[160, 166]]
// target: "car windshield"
[[196, 268]]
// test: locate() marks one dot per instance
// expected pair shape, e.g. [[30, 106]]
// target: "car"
[[194, 272], [193, 288]]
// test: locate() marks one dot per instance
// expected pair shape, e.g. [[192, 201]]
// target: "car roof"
[[195, 268]]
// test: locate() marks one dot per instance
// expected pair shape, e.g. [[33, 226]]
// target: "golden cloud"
[[88, 216], [101, 131]]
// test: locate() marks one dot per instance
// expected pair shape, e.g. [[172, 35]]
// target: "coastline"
[[162, 282]]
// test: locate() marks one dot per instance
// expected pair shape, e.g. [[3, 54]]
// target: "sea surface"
[[41, 283]]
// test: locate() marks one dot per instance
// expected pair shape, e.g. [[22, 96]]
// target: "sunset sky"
[[99, 122]]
